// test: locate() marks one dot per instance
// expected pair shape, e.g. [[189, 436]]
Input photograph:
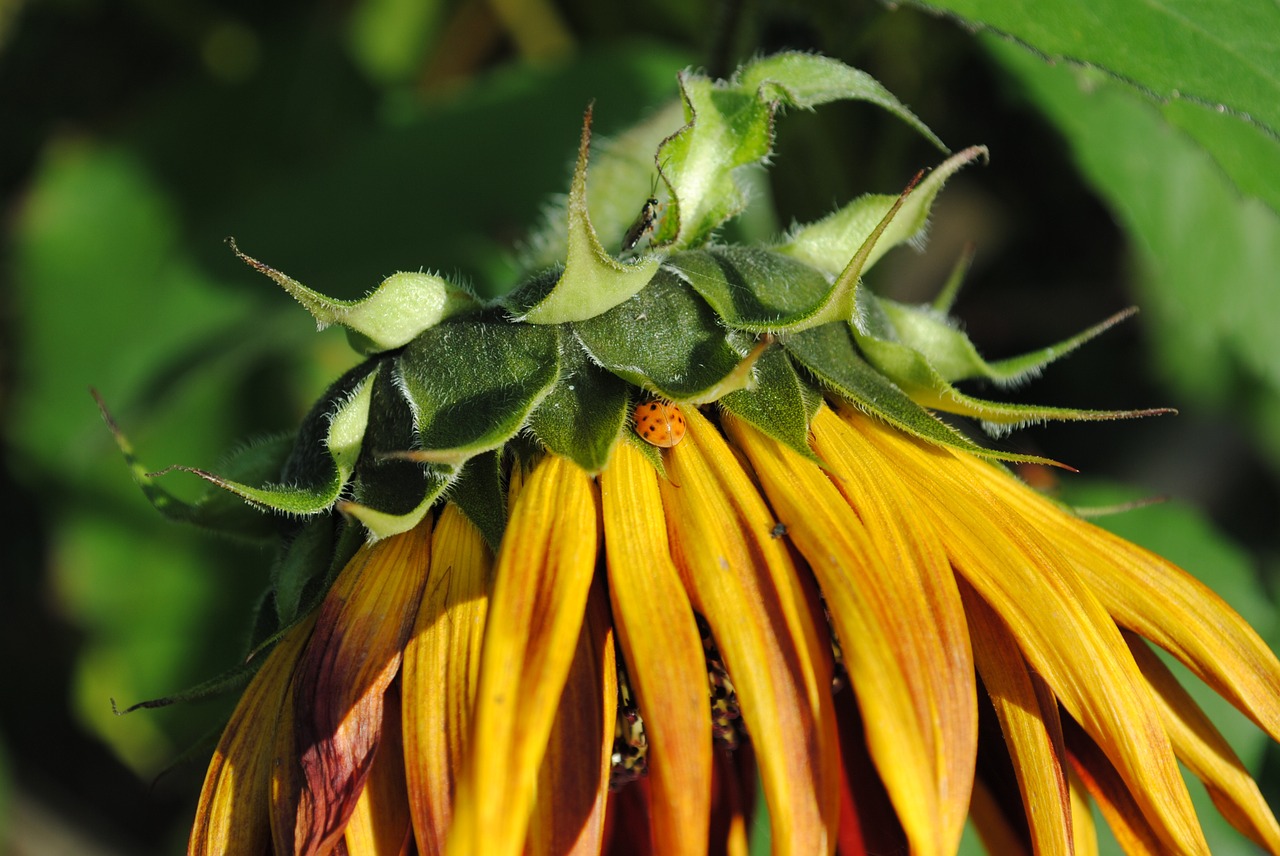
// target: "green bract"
[[600, 322]]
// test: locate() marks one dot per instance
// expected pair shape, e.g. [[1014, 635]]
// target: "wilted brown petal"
[[353, 655], [232, 816]]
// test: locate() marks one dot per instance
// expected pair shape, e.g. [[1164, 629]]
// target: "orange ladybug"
[[660, 423]]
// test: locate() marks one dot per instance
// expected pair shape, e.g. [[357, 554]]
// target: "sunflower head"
[[549, 558]]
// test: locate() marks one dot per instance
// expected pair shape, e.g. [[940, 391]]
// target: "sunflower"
[[587, 568]]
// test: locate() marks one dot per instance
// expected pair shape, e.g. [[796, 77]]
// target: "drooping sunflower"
[[582, 569]]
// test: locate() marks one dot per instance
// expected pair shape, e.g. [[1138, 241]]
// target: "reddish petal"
[[353, 655], [380, 826], [232, 816]]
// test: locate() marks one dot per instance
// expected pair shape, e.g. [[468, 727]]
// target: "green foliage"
[[1215, 65]]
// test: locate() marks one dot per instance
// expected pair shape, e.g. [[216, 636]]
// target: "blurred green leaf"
[[1216, 64], [1208, 257], [388, 38]]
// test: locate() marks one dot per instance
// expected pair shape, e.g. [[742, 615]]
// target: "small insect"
[[644, 220], [778, 530], [660, 423]]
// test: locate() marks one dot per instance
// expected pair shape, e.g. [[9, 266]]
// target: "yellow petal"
[[573, 782], [893, 597], [441, 673], [342, 678], [1159, 601], [1204, 750], [663, 652], [1028, 715], [234, 802], [1083, 831], [746, 585], [1024, 578], [1123, 814], [380, 826], [543, 574]]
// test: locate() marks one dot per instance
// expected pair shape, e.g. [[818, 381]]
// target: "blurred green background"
[[343, 141]]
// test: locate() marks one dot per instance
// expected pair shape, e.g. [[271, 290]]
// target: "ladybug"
[[660, 423]]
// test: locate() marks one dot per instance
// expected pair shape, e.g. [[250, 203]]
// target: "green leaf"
[[399, 309], [829, 353], [730, 125], [324, 455], [473, 384], [479, 495], [1212, 53], [624, 166], [1248, 154], [592, 281], [667, 340], [1208, 257], [256, 463], [584, 415], [828, 244], [779, 405], [1213, 69], [752, 288], [914, 375]]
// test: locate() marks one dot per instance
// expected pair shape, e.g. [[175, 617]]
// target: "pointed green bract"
[[808, 80], [300, 562], [827, 244], [473, 384], [830, 355], [217, 510], [391, 492], [400, 308], [625, 167], [592, 281], [324, 454], [948, 350], [917, 378]]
